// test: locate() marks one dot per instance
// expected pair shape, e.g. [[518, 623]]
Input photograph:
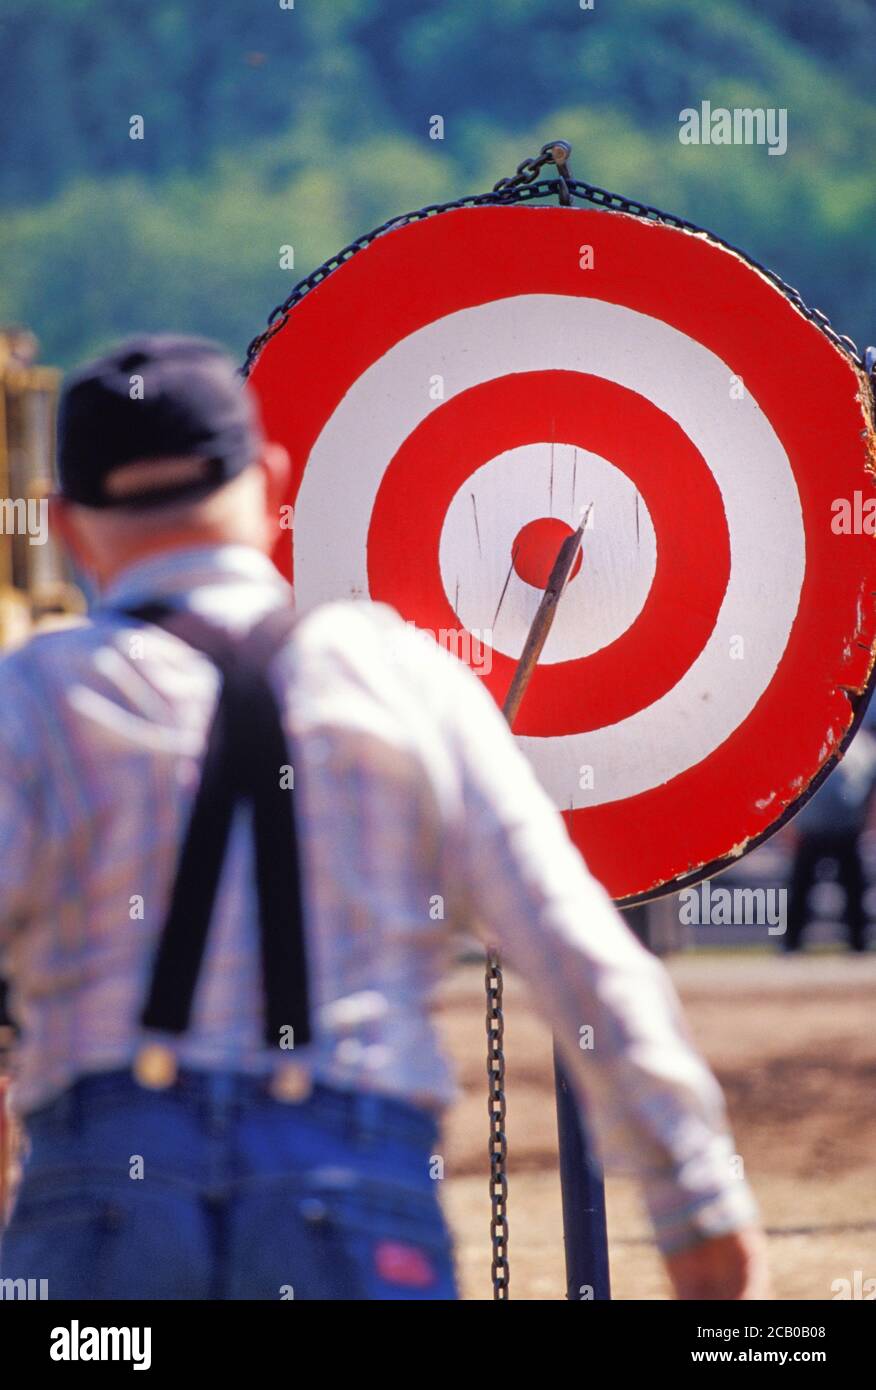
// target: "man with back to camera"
[[221, 843]]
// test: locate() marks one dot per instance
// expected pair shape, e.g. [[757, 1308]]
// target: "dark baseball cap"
[[155, 397]]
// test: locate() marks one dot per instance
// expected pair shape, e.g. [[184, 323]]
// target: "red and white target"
[[455, 395]]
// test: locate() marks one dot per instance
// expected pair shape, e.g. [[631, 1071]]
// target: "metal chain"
[[498, 1144], [278, 316], [555, 152], [524, 186], [618, 203]]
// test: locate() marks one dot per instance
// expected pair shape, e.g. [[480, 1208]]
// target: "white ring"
[[681, 377], [481, 526]]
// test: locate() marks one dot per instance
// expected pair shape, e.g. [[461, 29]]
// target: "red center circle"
[[601, 417], [536, 547]]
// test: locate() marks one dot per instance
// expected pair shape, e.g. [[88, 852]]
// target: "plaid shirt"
[[415, 809]]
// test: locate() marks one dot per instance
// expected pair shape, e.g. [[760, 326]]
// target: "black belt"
[[246, 753]]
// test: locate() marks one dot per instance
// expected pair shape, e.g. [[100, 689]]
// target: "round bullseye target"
[[459, 393]]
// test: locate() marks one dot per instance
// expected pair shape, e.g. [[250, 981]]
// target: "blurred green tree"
[[266, 127]]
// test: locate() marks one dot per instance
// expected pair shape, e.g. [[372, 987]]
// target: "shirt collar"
[[178, 572]]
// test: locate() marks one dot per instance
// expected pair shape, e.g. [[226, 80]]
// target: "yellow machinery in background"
[[35, 582], [36, 588]]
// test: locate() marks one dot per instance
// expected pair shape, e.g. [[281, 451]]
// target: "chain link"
[[498, 1144], [554, 152], [616, 202], [524, 186], [278, 316]]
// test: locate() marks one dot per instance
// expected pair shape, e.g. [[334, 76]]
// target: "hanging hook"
[[559, 152], [555, 152]]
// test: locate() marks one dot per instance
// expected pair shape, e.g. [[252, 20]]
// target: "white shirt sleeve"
[[654, 1105]]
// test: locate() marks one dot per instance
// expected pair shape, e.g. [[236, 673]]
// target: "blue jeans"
[[213, 1189]]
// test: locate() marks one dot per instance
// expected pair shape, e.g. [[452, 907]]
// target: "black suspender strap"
[[246, 754]]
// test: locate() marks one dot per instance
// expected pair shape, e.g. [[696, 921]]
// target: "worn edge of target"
[[857, 696]]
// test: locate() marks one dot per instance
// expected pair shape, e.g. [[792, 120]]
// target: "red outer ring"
[[639, 666], [807, 388]]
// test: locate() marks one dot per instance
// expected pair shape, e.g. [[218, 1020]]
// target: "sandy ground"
[[794, 1045]]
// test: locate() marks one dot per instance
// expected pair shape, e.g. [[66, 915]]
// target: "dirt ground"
[[793, 1041]]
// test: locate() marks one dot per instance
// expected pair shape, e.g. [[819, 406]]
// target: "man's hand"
[[730, 1267]]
